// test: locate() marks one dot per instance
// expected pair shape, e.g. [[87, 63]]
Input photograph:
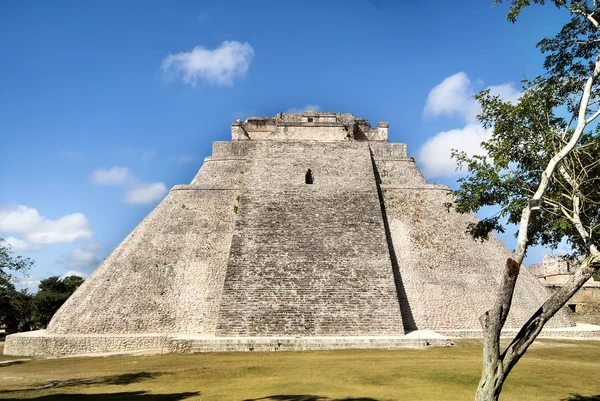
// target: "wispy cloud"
[[187, 158], [112, 176], [71, 154], [219, 66], [83, 258], [137, 193], [73, 273], [142, 194], [145, 155], [33, 231], [298, 110], [29, 283]]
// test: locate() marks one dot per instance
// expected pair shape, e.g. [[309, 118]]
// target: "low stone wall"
[[274, 344], [38, 343], [587, 331]]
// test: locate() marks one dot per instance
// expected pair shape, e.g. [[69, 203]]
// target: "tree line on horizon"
[[21, 310]]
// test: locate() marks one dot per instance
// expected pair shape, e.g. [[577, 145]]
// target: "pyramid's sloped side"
[[394, 167], [399, 172], [165, 277], [450, 279], [309, 259], [220, 172]]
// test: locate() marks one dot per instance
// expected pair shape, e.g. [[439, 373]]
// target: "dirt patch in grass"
[[551, 370]]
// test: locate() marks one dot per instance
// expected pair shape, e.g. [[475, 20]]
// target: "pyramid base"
[[580, 331], [39, 343]]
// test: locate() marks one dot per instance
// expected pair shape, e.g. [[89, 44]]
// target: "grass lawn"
[[551, 370]]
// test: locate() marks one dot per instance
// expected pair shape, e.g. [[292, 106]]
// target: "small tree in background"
[[15, 305], [22, 307], [543, 170], [52, 293], [20, 310], [10, 263]]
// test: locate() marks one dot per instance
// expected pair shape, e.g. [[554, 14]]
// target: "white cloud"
[[435, 154], [112, 176], [137, 192], [186, 158], [219, 66], [145, 193], [65, 229], [30, 283], [507, 92], [36, 231], [19, 219], [299, 110], [18, 245], [454, 97], [85, 257]]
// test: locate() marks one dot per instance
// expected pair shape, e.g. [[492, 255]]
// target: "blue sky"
[[104, 106]]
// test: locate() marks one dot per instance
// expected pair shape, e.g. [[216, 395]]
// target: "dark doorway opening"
[[308, 178]]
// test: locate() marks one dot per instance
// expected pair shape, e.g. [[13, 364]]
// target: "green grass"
[[551, 370]]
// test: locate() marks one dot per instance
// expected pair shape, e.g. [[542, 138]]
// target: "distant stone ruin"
[[305, 231], [555, 271]]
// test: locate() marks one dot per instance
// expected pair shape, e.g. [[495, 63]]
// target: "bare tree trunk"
[[496, 365], [492, 321], [491, 383]]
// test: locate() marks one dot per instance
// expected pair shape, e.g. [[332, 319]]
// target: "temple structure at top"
[[309, 126]]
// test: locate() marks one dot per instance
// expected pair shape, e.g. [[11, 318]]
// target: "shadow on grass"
[[126, 396], [579, 397], [9, 363], [120, 380], [304, 397]]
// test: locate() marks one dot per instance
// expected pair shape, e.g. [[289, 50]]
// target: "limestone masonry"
[[305, 231], [554, 272]]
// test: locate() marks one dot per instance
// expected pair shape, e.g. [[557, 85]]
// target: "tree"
[[542, 170], [9, 263], [14, 305], [22, 311], [52, 293], [71, 283]]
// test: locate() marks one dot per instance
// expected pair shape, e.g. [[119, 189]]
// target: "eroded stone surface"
[[303, 225]]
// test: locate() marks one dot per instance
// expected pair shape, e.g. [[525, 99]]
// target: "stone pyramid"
[[303, 226]]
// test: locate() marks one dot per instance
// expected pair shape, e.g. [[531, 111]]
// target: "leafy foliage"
[[542, 170], [9, 262], [14, 305], [22, 311], [53, 292], [526, 136]]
